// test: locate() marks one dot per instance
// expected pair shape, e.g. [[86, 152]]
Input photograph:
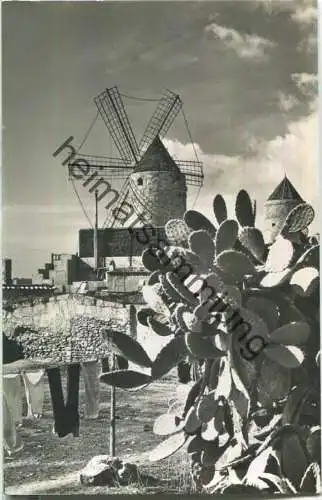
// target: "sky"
[[245, 70]]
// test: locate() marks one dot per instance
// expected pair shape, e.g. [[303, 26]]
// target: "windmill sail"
[[161, 120], [110, 106], [108, 168]]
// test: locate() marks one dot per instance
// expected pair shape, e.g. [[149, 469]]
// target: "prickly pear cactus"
[[245, 316]]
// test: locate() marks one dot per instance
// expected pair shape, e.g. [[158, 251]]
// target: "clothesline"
[[28, 365]]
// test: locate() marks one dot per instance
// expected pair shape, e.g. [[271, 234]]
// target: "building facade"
[[6, 271]]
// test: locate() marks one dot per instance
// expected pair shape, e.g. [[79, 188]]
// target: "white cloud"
[[294, 154], [286, 101], [308, 84], [305, 13], [246, 46]]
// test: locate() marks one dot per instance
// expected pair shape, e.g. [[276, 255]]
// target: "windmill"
[[155, 185]]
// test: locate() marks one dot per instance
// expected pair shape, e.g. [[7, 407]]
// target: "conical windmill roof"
[[156, 158], [285, 191]]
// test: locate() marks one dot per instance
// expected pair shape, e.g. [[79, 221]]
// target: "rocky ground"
[[49, 465]]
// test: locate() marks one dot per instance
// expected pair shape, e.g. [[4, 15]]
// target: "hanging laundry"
[[11, 440], [11, 350], [66, 416], [72, 404], [12, 389], [35, 390], [91, 374]]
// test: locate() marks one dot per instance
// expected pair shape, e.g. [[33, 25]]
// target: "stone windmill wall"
[[158, 188]]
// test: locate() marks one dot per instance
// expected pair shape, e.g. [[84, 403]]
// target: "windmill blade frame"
[[192, 171], [164, 115], [107, 167], [111, 108]]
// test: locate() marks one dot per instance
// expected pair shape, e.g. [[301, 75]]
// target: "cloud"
[[294, 154], [286, 101], [305, 13], [246, 46], [307, 83]]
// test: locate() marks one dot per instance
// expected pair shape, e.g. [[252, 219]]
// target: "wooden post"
[[112, 415], [96, 233]]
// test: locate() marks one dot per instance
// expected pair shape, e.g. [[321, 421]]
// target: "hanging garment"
[[66, 416], [11, 440], [11, 350], [91, 374], [35, 390], [12, 389]]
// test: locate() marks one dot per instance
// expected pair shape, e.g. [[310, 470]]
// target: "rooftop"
[[156, 158], [285, 191]]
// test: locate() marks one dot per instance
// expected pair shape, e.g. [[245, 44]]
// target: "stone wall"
[[56, 312], [162, 195]]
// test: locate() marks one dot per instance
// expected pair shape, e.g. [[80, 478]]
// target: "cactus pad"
[[244, 209], [153, 278], [226, 235], [143, 315], [180, 289], [178, 314], [299, 218], [151, 295], [206, 407], [266, 309], [280, 255], [168, 289], [287, 356], [192, 322], [276, 279], [177, 232], [192, 421], [274, 382], [252, 239], [235, 264], [168, 447], [295, 333], [197, 221], [201, 243], [305, 280], [159, 328], [193, 261], [200, 347], [220, 209], [311, 257], [151, 261], [167, 424]]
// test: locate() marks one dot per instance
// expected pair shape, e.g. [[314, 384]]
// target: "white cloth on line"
[[91, 373], [12, 389], [35, 391], [11, 440]]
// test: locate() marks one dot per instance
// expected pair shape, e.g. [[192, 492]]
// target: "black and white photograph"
[[160, 248]]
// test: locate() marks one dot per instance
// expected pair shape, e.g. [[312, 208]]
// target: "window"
[[273, 224], [140, 181]]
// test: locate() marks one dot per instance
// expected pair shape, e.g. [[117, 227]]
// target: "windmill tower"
[[158, 185], [278, 205], [155, 185]]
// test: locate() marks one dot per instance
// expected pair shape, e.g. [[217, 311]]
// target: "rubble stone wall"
[[56, 312]]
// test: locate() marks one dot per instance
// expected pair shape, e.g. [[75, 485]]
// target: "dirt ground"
[[50, 465]]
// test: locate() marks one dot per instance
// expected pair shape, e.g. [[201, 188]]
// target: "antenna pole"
[[96, 232], [112, 412]]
